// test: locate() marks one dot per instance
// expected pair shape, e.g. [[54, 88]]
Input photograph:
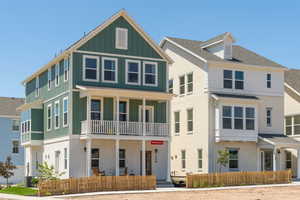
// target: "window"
[[150, 73], [65, 158], [183, 159], [133, 72], [190, 120], [190, 83], [15, 125], [15, 146], [182, 85], [227, 79], [49, 117], [233, 159], [288, 126], [292, 125], [123, 111], [28, 125], [239, 80], [122, 158], [57, 75], [250, 118], [57, 159], [171, 86], [65, 111], [22, 128], [37, 86], [288, 159], [199, 158], [66, 69], [49, 79], [90, 68], [177, 122], [269, 79], [296, 124], [96, 109], [95, 154], [269, 116], [227, 117], [56, 114], [238, 118], [121, 38], [110, 70]]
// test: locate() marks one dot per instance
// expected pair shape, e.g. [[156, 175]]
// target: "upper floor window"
[[65, 111], [56, 114], [190, 120], [90, 68], [95, 109], [238, 79], [269, 79], [37, 86], [49, 117], [15, 146], [150, 73], [238, 117], [244, 117], [190, 83], [66, 69], [26, 126], [110, 70], [57, 75], [250, 118], [123, 111], [49, 79], [227, 79], [133, 72], [171, 86], [121, 38], [227, 117], [15, 125], [233, 159], [177, 122], [292, 125], [182, 85], [269, 116]]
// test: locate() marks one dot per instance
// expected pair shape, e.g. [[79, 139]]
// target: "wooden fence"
[[237, 178], [96, 184]]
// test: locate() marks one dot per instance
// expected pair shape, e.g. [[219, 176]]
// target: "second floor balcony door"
[[149, 117]]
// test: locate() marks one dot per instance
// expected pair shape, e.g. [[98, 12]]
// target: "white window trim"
[[187, 120], [65, 158], [269, 109], [20, 125], [84, 68], [181, 159], [238, 160], [116, 69], [65, 125], [12, 142], [139, 72], [151, 108], [171, 79], [199, 159], [49, 106], [56, 75], [187, 83], [66, 69], [56, 115], [49, 81], [176, 133], [37, 86], [184, 85], [116, 38], [233, 79], [269, 80], [101, 99], [127, 108], [156, 73]]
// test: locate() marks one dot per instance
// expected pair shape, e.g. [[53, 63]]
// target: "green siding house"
[[101, 106]]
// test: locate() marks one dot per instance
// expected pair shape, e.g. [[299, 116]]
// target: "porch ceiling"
[[279, 140], [112, 92]]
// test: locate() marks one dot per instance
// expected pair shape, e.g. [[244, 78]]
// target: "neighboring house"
[[101, 106], [228, 98], [10, 137]]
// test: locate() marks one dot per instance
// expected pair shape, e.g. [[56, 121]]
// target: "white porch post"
[[88, 157], [168, 179], [88, 113], [118, 114], [144, 116], [298, 163], [274, 159], [117, 157], [258, 160], [143, 158]]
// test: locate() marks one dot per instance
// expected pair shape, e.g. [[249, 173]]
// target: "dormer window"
[[121, 38]]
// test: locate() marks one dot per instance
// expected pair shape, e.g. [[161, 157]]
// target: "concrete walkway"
[[174, 189]]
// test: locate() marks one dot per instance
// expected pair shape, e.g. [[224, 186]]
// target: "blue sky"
[[32, 31]]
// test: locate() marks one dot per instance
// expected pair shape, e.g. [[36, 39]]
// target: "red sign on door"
[[157, 142]]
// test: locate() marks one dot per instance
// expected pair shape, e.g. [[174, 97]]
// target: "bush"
[[34, 181]]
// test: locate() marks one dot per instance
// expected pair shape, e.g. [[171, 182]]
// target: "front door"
[[148, 164], [267, 160]]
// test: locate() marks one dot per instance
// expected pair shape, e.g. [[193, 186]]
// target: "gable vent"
[[121, 38]]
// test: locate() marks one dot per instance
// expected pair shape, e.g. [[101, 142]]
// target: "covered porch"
[[278, 152]]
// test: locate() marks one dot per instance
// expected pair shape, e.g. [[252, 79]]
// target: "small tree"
[[6, 169], [223, 158], [47, 172]]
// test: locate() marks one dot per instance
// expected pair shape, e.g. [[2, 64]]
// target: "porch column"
[[144, 116], [168, 179], [117, 157], [258, 160], [274, 159], [88, 156], [298, 163], [118, 114], [88, 113], [143, 157]]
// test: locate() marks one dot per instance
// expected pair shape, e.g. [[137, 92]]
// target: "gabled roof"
[[239, 54], [93, 33], [292, 79], [8, 106], [217, 39]]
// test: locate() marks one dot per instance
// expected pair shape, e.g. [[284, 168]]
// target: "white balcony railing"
[[105, 127]]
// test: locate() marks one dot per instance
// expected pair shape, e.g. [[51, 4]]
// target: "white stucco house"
[[228, 97]]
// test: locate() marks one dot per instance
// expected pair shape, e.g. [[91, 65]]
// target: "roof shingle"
[[292, 78], [8, 105]]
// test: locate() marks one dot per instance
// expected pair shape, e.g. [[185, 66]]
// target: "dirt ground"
[[272, 193]]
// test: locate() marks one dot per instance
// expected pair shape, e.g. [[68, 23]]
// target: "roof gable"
[[292, 79]]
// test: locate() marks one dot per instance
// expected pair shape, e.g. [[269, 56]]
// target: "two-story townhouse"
[[10, 144], [228, 98], [101, 106]]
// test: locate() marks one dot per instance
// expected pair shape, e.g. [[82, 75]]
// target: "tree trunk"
[[6, 182]]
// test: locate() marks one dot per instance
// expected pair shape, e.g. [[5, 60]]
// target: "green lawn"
[[19, 191]]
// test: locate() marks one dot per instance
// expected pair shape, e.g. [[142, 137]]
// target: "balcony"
[[124, 128]]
